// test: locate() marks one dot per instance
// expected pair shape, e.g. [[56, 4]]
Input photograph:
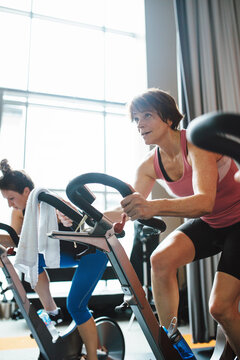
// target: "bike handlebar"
[[68, 210], [76, 188], [11, 232], [217, 132], [61, 206]]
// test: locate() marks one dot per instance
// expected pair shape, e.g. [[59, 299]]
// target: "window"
[[66, 73]]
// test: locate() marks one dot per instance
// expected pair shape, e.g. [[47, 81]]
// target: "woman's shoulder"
[[148, 158], [17, 213], [17, 217], [17, 220], [147, 164], [195, 152]]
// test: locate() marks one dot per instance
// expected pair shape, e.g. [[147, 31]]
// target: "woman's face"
[[150, 126], [16, 200]]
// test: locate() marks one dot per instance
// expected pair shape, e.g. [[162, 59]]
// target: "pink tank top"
[[226, 210]]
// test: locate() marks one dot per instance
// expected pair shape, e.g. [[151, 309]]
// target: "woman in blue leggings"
[[89, 270], [15, 187]]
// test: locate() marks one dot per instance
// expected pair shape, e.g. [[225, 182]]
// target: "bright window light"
[[67, 70]]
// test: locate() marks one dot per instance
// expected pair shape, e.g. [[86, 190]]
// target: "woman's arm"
[[144, 181], [17, 220], [205, 175], [6, 241], [16, 224]]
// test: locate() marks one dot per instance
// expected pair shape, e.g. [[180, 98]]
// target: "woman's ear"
[[169, 122], [26, 191]]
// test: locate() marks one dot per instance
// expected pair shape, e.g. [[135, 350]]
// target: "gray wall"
[[162, 65], [161, 45]]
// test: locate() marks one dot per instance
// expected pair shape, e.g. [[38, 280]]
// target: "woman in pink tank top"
[[205, 192]]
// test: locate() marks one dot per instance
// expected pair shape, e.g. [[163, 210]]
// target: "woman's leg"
[[43, 286], [225, 295], [88, 273], [224, 307], [43, 290], [174, 251], [88, 333]]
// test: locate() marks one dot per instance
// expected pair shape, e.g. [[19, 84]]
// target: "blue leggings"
[[89, 271]]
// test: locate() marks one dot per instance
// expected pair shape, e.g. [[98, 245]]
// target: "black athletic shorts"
[[209, 241]]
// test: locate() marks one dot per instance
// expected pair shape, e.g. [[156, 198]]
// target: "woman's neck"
[[170, 146]]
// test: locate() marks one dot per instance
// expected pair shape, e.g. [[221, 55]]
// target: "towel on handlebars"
[[38, 221]]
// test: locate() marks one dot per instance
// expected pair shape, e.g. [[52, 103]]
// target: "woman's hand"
[[65, 220], [137, 207]]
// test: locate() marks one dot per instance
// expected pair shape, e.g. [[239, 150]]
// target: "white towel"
[[33, 239]]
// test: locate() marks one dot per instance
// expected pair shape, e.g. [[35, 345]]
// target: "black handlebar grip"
[[217, 132], [74, 193], [61, 206], [11, 232], [155, 223]]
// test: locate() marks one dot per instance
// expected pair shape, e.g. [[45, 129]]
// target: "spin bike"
[[104, 237], [218, 132], [68, 345]]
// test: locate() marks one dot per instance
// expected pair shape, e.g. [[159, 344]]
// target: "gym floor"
[[15, 341]]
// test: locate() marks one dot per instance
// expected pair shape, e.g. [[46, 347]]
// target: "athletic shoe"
[[58, 318]]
